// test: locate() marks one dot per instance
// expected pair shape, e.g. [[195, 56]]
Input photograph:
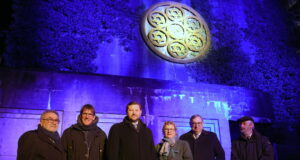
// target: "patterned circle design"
[[192, 24], [157, 19], [194, 43], [158, 37], [177, 49], [174, 12], [176, 32]]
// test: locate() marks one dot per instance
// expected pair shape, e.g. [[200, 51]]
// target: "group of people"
[[131, 139]]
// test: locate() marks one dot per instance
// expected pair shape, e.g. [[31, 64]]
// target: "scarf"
[[166, 144], [53, 135], [88, 132], [83, 127]]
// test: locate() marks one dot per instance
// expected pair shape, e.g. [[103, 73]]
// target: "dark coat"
[[126, 143], [206, 147], [180, 151], [36, 145], [258, 147], [73, 140]]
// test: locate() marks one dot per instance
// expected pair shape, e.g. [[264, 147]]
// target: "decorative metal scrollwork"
[[176, 32]]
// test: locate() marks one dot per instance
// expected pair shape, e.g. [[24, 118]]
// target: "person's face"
[[134, 112], [169, 131], [50, 122], [87, 117], [246, 127], [197, 125]]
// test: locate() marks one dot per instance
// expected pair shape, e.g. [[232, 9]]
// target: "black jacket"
[[126, 143], [206, 147], [258, 147], [36, 145], [76, 147]]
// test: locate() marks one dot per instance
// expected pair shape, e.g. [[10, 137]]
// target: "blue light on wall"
[[25, 94], [250, 48]]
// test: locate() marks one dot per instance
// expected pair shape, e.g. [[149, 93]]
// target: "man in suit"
[[204, 144]]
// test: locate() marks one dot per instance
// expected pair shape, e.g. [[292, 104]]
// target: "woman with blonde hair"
[[171, 148]]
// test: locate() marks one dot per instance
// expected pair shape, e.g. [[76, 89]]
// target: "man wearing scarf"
[[251, 145], [85, 140], [131, 139], [44, 142]]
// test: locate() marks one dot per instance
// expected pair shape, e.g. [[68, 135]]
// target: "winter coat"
[[258, 147], [76, 147], [205, 147], [127, 143], [180, 151], [35, 144]]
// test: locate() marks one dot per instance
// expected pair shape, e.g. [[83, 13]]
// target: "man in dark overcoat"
[[131, 139], [204, 145], [85, 140], [251, 145], [44, 142]]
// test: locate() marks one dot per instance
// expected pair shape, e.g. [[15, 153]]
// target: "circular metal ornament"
[[176, 32], [157, 19], [177, 49], [158, 37]]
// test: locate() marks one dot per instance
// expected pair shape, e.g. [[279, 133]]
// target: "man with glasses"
[[44, 142], [131, 139], [85, 140], [204, 144]]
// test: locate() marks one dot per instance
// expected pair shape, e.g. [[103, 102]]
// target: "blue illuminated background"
[[61, 54]]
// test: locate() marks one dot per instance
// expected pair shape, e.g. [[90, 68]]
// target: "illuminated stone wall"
[[25, 94], [250, 48], [249, 45]]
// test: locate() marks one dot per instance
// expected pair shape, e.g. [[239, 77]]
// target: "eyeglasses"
[[169, 129], [196, 123], [51, 120], [88, 114]]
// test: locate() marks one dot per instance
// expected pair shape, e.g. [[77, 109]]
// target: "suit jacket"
[[206, 147]]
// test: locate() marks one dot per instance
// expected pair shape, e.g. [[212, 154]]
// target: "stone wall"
[[25, 94]]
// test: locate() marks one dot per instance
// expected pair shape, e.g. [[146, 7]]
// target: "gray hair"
[[48, 111]]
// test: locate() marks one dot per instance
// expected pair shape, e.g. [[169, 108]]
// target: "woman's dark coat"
[[36, 144], [127, 143]]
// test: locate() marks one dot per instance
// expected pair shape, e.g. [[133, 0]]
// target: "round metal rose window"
[[175, 32]]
